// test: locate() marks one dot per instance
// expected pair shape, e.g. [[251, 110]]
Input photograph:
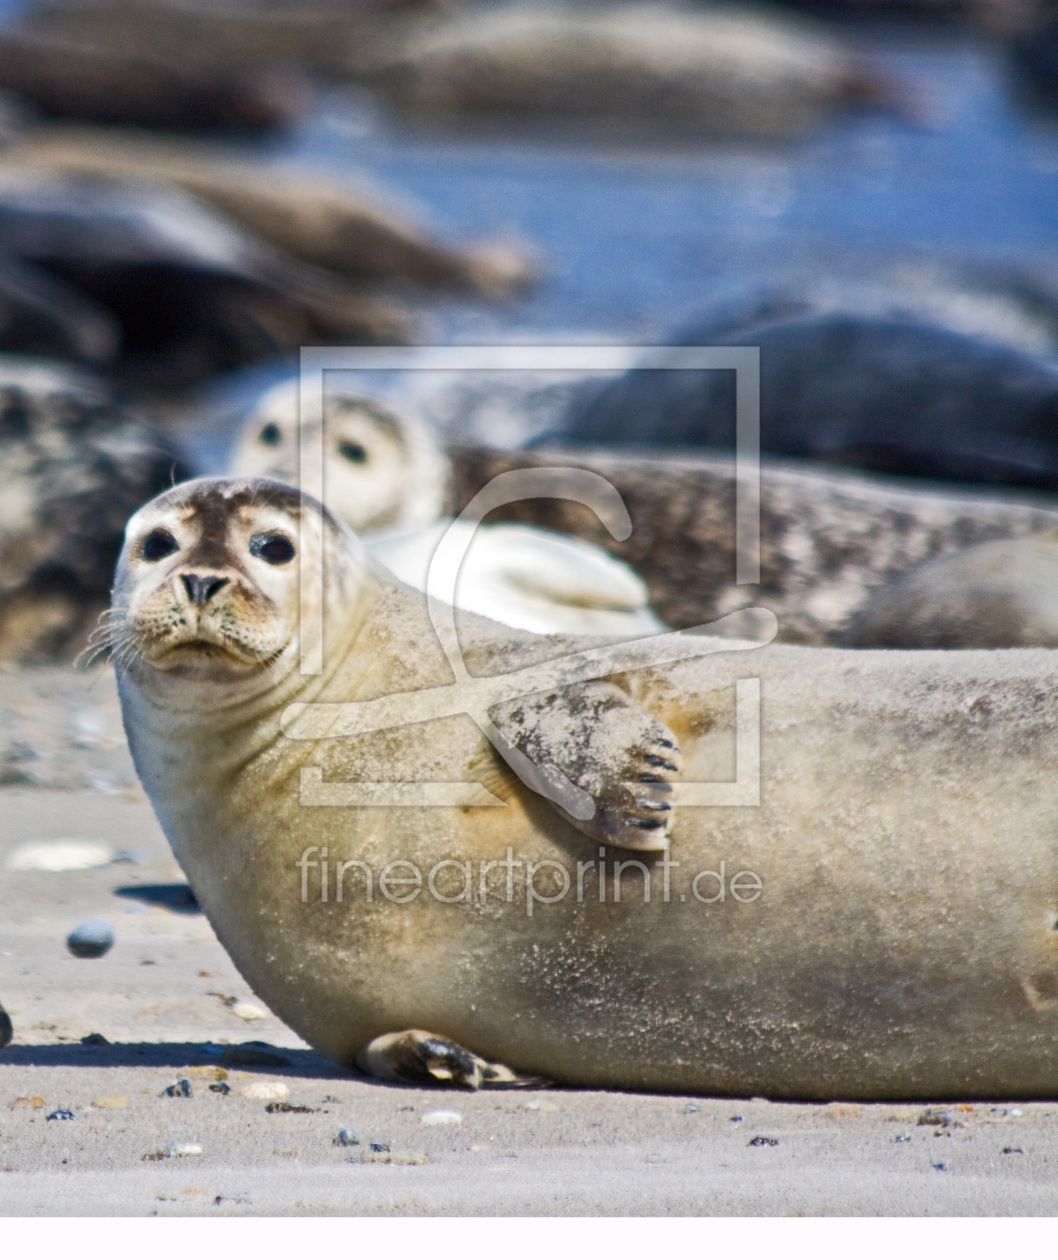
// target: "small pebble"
[[346, 1137], [736, 1119], [29, 1100], [936, 1116], [180, 1089], [763, 1141], [901, 1137], [691, 1108], [179, 1149], [1015, 1111], [220, 1087], [386, 1157], [90, 940], [540, 1104], [286, 1108], [1013, 1150], [442, 1117], [264, 1091], [380, 1148], [61, 1114], [247, 1011], [7, 1030], [940, 1167], [94, 1039], [208, 1073]]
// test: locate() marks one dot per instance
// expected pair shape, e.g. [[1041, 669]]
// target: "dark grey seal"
[[74, 465], [886, 394], [71, 79], [184, 292]]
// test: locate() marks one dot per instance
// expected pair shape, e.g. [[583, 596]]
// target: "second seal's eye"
[[158, 544], [270, 434], [273, 548], [353, 452]]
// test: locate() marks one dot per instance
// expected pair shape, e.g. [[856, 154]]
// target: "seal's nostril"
[[200, 590]]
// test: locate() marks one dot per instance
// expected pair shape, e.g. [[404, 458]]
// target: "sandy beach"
[[172, 1008]]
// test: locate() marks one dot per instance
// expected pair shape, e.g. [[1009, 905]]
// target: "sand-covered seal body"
[[887, 395], [901, 941], [999, 594]]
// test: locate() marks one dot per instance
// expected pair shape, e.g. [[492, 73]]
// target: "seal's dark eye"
[[274, 548], [158, 544], [353, 452], [270, 434]]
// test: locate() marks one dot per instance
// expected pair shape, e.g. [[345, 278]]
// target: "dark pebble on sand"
[[286, 1108], [90, 940], [346, 1137], [937, 1116], [62, 1115], [180, 1089], [94, 1039], [220, 1087], [380, 1148], [1013, 1150], [763, 1141], [7, 1029]]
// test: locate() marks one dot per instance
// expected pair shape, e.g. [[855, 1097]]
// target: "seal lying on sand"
[[386, 475], [189, 293], [888, 395], [65, 78], [321, 221], [714, 71], [871, 930], [73, 467], [999, 594], [830, 539]]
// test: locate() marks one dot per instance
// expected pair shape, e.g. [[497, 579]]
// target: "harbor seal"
[[720, 71], [74, 465], [362, 233], [188, 292], [890, 395], [882, 925], [998, 594], [385, 474]]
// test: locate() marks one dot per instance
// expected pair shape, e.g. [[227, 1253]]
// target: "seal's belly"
[[882, 924]]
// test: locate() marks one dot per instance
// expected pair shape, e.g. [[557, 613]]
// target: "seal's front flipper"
[[419, 1058], [610, 747]]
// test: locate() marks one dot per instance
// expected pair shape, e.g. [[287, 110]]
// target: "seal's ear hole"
[[158, 544], [270, 434], [273, 548], [353, 452]]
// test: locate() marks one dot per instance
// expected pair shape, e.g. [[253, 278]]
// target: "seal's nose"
[[200, 590]]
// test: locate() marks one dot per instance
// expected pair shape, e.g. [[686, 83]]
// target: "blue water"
[[636, 238]]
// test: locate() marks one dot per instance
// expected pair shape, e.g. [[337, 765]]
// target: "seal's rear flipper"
[[419, 1058], [609, 746]]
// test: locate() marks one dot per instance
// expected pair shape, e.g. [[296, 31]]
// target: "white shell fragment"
[[60, 855], [442, 1117]]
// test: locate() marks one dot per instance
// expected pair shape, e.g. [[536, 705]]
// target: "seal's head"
[[208, 583], [382, 468]]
